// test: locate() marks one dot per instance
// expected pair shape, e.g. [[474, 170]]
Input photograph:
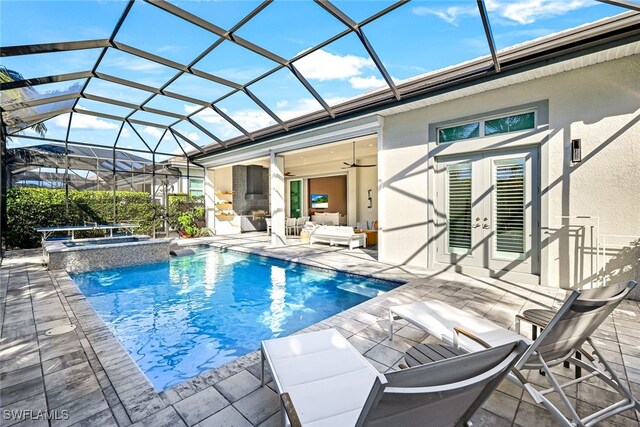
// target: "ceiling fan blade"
[[348, 164], [365, 166]]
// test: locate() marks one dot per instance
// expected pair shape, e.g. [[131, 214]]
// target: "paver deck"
[[85, 377]]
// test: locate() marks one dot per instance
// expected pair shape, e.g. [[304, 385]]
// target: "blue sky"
[[414, 39]]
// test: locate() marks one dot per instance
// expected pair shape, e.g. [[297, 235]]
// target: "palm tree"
[[18, 96]]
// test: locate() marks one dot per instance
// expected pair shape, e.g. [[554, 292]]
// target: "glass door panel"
[[509, 209], [295, 199], [459, 208]]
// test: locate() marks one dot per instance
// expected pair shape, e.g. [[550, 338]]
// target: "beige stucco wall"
[[599, 104]]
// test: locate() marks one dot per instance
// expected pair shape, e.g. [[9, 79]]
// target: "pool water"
[[194, 313]]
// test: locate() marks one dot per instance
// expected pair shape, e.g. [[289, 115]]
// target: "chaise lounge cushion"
[[439, 319], [308, 365]]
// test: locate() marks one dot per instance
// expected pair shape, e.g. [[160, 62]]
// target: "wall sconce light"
[[576, 151]]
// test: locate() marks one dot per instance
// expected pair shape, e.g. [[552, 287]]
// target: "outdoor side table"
[[304, 236], [421, 354], [539, 319]]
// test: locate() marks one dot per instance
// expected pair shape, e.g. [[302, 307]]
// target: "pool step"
[[360, 289]]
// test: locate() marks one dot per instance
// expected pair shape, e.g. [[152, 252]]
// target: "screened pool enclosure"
[[133, 95]]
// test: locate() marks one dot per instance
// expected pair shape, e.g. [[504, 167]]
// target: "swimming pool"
[[180, 318]]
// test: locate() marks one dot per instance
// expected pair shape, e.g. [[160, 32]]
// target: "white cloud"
[[366, 83], [282, 104], [193, 137], [516, 12], [84, 121], [219, 126], [300, 108], [207, 115], [252, 119], [154, 132], [322, 65], [450, 14], [168, 48], [134, 64], [527, 12]]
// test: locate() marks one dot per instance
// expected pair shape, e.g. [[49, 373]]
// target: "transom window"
[[486, 127]]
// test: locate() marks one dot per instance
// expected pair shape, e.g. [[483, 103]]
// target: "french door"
[[487, 212]]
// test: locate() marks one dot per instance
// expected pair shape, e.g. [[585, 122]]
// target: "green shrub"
[[29, 208]]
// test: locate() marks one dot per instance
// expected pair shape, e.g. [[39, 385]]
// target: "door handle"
[[476, 225], [485, 226]]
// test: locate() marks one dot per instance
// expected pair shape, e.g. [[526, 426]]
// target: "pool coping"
[[133, 388], [305, 263], [60, 246]]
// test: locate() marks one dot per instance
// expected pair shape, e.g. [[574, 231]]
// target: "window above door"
[[487, 126]]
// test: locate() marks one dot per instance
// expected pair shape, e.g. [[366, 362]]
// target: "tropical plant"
[[19, 97], [186, 215]]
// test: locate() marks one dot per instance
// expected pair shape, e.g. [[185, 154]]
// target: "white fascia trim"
[[361, 126]]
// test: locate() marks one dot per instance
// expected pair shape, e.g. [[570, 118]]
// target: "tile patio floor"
[[89, 375]]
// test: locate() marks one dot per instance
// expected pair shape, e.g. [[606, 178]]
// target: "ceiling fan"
[[354, 165], [288, 174]]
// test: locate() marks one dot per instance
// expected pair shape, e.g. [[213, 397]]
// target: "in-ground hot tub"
[[82, 255]]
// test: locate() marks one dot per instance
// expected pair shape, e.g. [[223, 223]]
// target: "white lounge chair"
[[290, 226], [300, 222], [325, 381], [571, 327]]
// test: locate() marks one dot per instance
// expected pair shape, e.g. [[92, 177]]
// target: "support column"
[[352, 196], [276, 171], [210, 199]]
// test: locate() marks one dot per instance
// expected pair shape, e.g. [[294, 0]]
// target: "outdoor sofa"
[[338, 235], [326, 218]]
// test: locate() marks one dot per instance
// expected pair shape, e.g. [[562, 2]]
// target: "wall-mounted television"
[[320, 201]]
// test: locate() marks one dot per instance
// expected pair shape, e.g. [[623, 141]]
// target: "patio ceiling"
[[221, 82]]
